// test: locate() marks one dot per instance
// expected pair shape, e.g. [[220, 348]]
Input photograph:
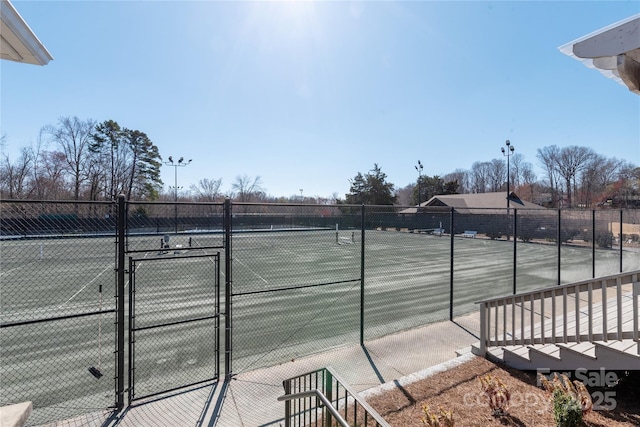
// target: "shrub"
[[571, 400], [497, 393], [526, 237], [567, 234], [441, 419], [604, 240], [566, 409]]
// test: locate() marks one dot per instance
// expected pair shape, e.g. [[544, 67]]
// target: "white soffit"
[[17, 41], [613, 50]]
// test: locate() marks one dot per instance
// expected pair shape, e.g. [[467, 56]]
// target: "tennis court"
[[294, 293]]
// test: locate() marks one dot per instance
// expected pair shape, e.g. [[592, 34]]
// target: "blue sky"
[[307, 94]]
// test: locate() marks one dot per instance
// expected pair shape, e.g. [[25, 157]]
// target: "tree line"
[[79, 159], [84, 160], [574, 177]]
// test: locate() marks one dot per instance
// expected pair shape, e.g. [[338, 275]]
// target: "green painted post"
[[329, 394]]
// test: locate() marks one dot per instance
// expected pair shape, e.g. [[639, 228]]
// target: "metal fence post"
[[362, 276], [451, 267], [227, 291], [120, 303], [620, 240], [515, 247]]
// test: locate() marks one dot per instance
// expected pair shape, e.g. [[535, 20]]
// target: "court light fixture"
[[180, 163], [419, 168], [508, 153]]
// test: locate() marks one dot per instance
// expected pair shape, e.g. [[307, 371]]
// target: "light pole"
[[301, 197], [181, 163], [419, 169], [508, 153]]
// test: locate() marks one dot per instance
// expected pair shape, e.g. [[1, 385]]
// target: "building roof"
[[17, 41], [481, 203], [613, 50]]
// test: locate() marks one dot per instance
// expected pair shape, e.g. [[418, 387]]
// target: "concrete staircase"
[[589, 325]]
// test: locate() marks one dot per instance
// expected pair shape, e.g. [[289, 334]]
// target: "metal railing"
[[322, 398], [590, 310]]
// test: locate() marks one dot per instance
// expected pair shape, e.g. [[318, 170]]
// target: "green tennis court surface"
[[294, 294]]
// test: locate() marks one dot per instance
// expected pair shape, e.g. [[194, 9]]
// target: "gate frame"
[[132, 329]]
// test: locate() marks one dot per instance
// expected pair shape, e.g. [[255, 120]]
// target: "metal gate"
[[174, 321]]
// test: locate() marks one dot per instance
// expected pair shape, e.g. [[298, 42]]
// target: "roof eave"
[[17, 41], [613, 50]]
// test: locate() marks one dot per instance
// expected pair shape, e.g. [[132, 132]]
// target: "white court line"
[[17, 268], [288, 251], [139, 266], [249, 268], [94, 279], [83, 288], [212, 258]]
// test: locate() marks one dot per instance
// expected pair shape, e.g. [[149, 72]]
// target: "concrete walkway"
[[250, 399]]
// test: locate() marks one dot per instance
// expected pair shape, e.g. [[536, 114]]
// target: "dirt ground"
[[459, 390]]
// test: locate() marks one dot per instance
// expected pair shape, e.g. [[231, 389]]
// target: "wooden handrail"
[[490, 334]]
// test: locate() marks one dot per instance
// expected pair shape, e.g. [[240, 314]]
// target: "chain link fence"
[[296, 282], [176, 286], [57, 307]]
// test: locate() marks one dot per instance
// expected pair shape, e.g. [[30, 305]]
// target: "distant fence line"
[[358, 275], [50, 217]]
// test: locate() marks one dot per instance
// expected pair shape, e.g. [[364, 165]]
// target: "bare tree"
[[569, 162], [596, 176], [480, 177], [497, 174], [51, 183], [462, 177], [72, 137], [207, 190], [630, 173], [405, 194], [547, 156], [246, 188], [14, 177]]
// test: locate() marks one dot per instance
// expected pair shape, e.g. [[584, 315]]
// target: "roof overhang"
[[17, 41], [613, 50]]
